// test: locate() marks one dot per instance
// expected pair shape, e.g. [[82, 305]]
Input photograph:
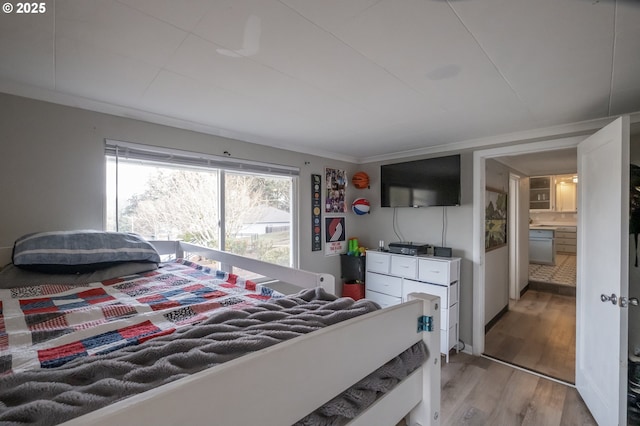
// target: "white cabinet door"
[[542, 250], [565, 194]]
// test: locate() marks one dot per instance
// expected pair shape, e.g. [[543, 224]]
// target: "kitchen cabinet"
[[542, 248], [566, 191], [553, 193], [540, 193], [392, 277], [565, 239]]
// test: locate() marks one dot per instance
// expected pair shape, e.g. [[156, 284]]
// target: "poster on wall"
[[495, 218], [336, 184], [335, 236], [316, 209]]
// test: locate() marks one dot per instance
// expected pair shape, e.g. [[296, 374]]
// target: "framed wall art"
[[495, 219], [335, 236]]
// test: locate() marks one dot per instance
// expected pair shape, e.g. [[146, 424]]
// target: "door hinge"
[[425, 323]]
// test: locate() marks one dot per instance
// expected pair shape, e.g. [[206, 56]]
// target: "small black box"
[[408, 247], [442, 251]]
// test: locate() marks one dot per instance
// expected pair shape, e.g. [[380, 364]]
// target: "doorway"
[[601, 357], [479, 183], [536, 329]]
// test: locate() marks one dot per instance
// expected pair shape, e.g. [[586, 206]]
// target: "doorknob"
[[613, 298], [624, 302]]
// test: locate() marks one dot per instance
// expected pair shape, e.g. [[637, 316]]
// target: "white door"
[[603, 247]]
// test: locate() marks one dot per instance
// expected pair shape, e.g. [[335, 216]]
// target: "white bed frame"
[[281, 384], [281, 278]]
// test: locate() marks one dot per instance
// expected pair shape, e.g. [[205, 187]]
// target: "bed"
[[285, 382]]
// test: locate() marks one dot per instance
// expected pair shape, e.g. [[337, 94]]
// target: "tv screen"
[[421, 183]]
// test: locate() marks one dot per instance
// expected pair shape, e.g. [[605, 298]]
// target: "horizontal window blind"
[[134, 151]]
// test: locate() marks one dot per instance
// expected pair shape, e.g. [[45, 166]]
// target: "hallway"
[[537, 333]]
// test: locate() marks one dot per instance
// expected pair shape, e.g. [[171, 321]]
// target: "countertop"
[[551, 225], [538, 230]]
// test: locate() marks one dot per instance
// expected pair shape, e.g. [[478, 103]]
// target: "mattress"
[[186, 319], [49, 325]]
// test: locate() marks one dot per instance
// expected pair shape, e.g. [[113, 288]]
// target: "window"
[[258, 217], [241, 207]]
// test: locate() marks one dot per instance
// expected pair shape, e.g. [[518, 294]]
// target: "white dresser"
[[391, 277]]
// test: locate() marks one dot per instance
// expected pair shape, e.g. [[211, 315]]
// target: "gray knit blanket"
[[52, 396]]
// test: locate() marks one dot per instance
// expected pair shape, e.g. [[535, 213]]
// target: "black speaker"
[[442, 251]]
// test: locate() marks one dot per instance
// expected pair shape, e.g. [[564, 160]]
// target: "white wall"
[[52, 168], [52, 173], [496, 261], [424, 225]]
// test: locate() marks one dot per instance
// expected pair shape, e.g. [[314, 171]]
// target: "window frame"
[[168, 157]]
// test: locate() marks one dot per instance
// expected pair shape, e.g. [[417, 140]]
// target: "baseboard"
[[468, 349], [524, 290], [495, 319]]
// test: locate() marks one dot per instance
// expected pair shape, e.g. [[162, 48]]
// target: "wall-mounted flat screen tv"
[[421, 183]]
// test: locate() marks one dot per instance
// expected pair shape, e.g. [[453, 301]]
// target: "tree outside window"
[[161, 201]]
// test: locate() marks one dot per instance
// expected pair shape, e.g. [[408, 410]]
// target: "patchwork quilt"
[[49, 396], [49, 325]]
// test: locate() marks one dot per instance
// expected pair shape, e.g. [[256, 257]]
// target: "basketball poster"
[[335, 236], [336, 184]]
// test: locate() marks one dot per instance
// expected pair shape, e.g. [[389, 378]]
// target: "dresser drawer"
[[404, 266], [453, 294], [449, 317], [451, 337], [437, 272], [378, 262], [384, 300], [443, 292], [383, 284]]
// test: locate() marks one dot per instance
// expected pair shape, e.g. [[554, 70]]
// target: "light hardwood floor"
[[538, 333], [480, 391]]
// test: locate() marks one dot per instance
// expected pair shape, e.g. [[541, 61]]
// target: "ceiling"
[[556, 162], [350, 79]]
